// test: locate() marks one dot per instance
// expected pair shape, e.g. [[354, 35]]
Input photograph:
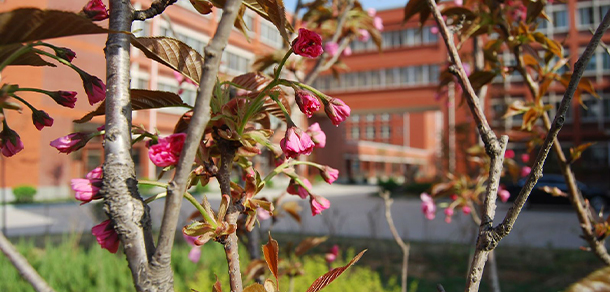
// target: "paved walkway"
[[354, 212]]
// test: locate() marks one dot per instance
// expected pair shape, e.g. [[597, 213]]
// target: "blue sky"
[[378, 4]]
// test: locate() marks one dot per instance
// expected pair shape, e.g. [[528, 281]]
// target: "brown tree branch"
[[156, 7], [227, 154], [405, 247], [122, 200], [494, 148], [551, 140], [201, 116], [320, 65], [24, 268]]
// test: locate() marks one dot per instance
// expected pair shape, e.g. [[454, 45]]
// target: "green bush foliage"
[[69, 266], [24, 194]]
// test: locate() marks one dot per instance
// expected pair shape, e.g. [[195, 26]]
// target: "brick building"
[[399, 129], [40, 164]]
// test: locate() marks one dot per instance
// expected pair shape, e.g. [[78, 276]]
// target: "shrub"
[[418, 188], [24, 194], [389, 184]]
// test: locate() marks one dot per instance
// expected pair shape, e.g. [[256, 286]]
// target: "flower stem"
[[24, 102]]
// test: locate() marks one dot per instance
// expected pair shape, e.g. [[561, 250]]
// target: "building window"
[[234, 63], [370, 118], [560, 18], [355, 118], [270, 35], [370, 132], [355, 132], [594, 109], [585, 16], [385, 132], [385, 117]]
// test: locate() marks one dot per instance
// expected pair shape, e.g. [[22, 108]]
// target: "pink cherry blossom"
[[525, 171], [96, 90], [71, 142], [318, 204], [427, 206], [41, 119], [296, 142], [503, 194], [363, 35], [510, 154], [167, 150], [106, 236], [10, 142], [331, 48], [448, 214], [434, 30], [307, 102], [96, 173], [329, 174], [296, 189], [195, 252], [308, 44], [378, 23], [64, 98], [96, 10], [337, 111], [371, 12], [262, 214], [458, 2], [347, 51], [331, 255], [525, 158], [65, 54], [86, 190], [317, 135], [466, 210]]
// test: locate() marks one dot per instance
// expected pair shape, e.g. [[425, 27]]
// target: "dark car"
[[597, 197]]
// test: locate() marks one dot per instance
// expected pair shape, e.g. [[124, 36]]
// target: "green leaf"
[[172, 53], [598, 281], [29, 58], [32, 24], [327, 278], [140, 100]]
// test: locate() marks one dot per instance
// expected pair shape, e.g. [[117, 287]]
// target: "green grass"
[[72, 264]]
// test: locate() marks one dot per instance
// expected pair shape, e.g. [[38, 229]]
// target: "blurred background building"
[[400, 127]]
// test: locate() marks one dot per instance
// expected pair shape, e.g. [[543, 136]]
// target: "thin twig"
[[156, 7], [23, 267], [405, 247], [551, 140], [227, 154], [201, 116], [122, 201], [320, 64], [494, 148]]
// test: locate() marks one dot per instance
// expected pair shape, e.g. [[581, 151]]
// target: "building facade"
[[40, 164], [400, 127]]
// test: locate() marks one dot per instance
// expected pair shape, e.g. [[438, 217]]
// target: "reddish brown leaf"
[[307, 244], [554, 191], [293, 209], [576, 152], [172, 53], [252, 81], [598, 281], [479, 78], [31, 24], [217, 287], [459, 11], [255, 269], [327, 278], [414, 7], [273, 108], [271, 252], [29, 58], [141, 99]]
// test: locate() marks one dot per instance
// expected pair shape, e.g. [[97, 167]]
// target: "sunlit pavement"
[[355, 212]]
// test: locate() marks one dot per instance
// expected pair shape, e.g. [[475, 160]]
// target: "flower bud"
[[106, 236], [95, 10], [336, 110], [307, 102], [65, 53], [317, 135], [296, 142], [64, 98], [329, 174], [10, 142], [41, 119]]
